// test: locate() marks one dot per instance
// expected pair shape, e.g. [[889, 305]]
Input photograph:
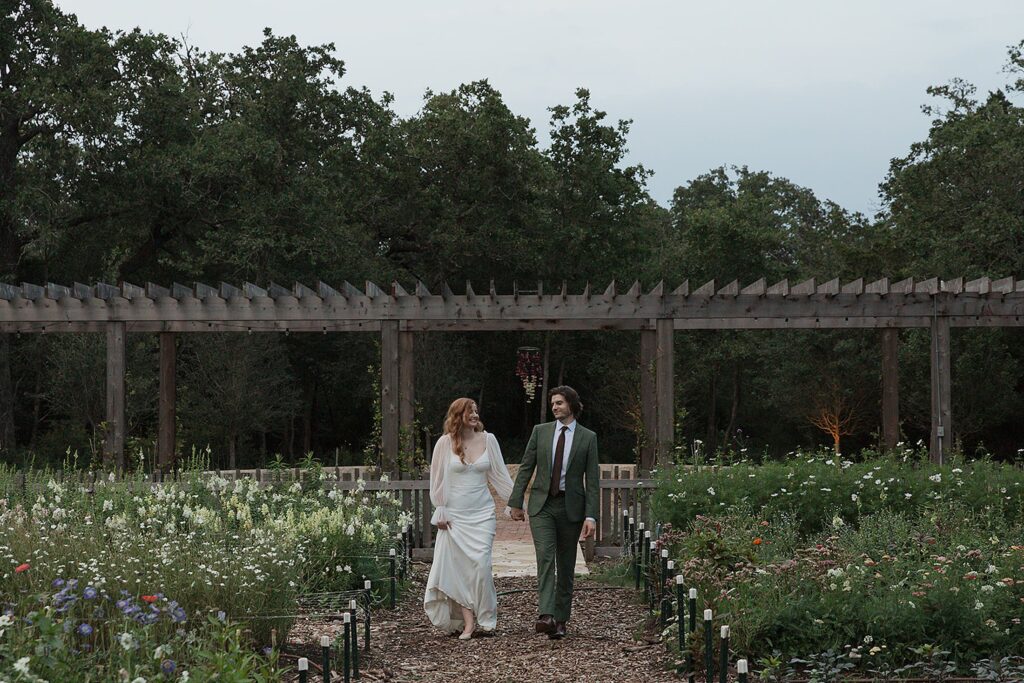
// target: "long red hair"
[[456, 421]]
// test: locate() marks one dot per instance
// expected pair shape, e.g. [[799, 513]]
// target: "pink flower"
[[24, 567]]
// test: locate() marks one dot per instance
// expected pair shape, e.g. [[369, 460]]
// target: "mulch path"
[[606, 640]]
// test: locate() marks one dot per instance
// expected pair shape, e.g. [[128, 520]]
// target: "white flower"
[[937, 478], [868, 640], [854, 497], [21, 666], [711, 490], [108, 505], [127, 640], [908, 496], [139, 679], [987, 588], [6, 620], [979, 605]]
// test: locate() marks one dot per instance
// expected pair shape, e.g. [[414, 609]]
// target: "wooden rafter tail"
[[929, 286], [276, 291], [325, 291], [446, 292], [180, 291], [82, 291], [980, 286], [830, 288], [421, 290], [902, 287], [880, 287], [373, 291], [57, 292], [9, 292], [780, 288], [683, 289], [731, 289], [954, 286], [565, 290], [805, 288], [470, 294], [706, 290], [32, 292], [757, 288], [301, 291], [586, 292], [856, 287], [609, 291], [1003, 285], [492, 292], [540, 288], [205, 291], [349, 290], [397, 290], [634, 290], [107, 291], [228, 291], [658, 289], [130, 291], [154, 291]]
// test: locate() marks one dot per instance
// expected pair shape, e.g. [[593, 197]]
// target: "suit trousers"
[[555, 539]]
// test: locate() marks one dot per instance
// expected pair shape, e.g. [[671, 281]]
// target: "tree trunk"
[[544, 383], [37, 402], [307, 415], [6, 396], [711, 439], [232, 453], [730, 431]]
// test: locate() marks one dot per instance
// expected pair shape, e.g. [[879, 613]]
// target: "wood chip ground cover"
[[606, 641]]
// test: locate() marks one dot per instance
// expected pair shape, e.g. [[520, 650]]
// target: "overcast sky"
[[822, 93]]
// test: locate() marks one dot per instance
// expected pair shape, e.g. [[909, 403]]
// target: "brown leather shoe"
[[559, 631], [545, 624]]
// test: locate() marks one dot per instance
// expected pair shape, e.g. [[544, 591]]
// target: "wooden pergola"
[[397, 315]]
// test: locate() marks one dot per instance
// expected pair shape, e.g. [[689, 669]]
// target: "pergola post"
[[942, 423], [648, 399], [890, 387], [407, 391], [165, 441], [664, 380], [113, 447], [389, 393]]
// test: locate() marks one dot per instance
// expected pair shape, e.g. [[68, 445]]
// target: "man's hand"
[[518, 514], [444, 526], [589, 529]]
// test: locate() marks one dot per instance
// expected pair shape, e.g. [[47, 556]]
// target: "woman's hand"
[[444, 526]]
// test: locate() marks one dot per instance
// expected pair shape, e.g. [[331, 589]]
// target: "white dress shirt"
[[565, 454]]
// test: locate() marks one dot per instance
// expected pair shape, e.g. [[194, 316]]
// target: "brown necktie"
[[556, 469]]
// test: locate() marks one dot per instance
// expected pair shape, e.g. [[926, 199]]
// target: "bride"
[[460, 589]]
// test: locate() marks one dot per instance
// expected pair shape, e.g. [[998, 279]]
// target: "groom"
[[563, 503]]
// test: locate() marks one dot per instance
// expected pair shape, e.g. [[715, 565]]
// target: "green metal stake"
[[690, 665], [661, 584], [625, 528], [394, 587], [653, 572], [709, 647], [368, 587], [634, 551], [325, 650], [353, 608], [741, 670], [723, 661], [682, 632], [346, 656], [666, 602], [303, 670]]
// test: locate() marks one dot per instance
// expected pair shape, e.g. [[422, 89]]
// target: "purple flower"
[[168, 667], [178, 615], [221, 615], [121, 604], [84, 629], [90, 593], [57, 583]]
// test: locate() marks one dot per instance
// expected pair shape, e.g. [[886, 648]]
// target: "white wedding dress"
[[460, 575]]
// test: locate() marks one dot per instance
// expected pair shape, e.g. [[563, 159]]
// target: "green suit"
[[556, 522]]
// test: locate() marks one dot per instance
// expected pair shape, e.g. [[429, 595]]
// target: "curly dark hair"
[[570, 395]]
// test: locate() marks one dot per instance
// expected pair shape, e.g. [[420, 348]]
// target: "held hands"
[[589, 529], [444, 526], [518, 514]]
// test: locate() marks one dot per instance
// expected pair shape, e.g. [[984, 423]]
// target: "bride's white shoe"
[[465, 636]]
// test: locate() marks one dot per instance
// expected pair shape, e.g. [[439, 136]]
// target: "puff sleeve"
[[498, 475], [438, 469]]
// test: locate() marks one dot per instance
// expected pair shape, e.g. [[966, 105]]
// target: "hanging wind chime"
[[528, 370]]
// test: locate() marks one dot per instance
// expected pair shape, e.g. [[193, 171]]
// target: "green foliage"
[[906, 556]]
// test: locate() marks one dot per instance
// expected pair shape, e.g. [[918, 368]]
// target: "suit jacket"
[[582, 476]]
